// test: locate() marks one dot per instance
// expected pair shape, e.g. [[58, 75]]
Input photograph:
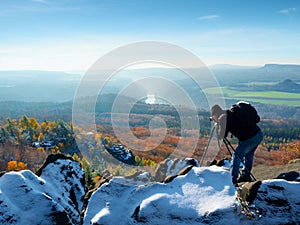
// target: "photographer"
[[243, 126]]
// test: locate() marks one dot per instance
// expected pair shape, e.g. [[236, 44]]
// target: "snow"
[[282, 199], [28, 199], [204, 195], [194, 195]]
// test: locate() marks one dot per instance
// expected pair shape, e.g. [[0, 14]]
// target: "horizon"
[[218, 66], [68, 35]]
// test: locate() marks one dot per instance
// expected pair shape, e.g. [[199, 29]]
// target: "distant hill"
[[231, 67], [287, 85], [56, 110], [49, 94], [282, 68], [58, 86], [52, 111], [37, 86], [236, 75]]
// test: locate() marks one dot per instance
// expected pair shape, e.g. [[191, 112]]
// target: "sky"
[[70, 35]]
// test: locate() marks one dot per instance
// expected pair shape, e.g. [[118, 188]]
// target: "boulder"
[[247, 193], [52, 196], [289, 176]]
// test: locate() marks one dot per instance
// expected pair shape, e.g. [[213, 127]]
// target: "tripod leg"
[[208, 143]]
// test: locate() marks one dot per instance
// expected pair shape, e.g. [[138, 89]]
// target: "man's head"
[[216, 111]]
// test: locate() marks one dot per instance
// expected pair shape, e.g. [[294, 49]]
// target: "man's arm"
[[221, 126]]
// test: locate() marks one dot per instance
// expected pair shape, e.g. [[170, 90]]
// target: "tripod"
[[228, 146]]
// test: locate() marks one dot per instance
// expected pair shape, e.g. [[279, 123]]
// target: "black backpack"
[[245, 113]]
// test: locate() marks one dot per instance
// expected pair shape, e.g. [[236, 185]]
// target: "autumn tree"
[[21, 166], [24, 123], [286, 153], [41, 137], [14, 165]]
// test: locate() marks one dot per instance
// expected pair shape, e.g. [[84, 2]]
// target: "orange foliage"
[[14, 165], [286, 153], [22, 166], [41, 137], [40, 149], [61, 147]]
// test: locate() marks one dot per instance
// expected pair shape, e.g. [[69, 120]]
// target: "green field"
[[266, 97]]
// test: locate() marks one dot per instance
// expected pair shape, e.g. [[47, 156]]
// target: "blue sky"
[[71, 35]]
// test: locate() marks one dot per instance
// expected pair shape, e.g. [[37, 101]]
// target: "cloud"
[[209, 17], [287, 11]]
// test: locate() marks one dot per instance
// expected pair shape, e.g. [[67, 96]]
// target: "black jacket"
[[243, 131]]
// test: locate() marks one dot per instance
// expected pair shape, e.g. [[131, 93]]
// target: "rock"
[[169, 178], [2, 173], [184, 171], [214, 162], [270, 202], [289, 176], [172, 167], [140, 176], [53, 197], [51, 159], [248, 191], [104, 178], [176, 202], [221, 162]]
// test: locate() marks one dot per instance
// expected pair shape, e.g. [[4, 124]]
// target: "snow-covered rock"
[[188, 199], [54, 197], [199, 195], [204, 195], [275, 202], [120, 153]]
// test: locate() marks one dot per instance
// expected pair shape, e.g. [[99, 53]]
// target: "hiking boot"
[[245, 178]]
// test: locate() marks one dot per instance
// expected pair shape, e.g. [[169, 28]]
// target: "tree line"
[[26, 142]]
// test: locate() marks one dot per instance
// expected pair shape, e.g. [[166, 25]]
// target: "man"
[[248, 134]]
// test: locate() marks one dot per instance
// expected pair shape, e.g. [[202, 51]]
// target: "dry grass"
[[264, 172]]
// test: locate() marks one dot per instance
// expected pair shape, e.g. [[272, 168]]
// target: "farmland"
[[265, 97]]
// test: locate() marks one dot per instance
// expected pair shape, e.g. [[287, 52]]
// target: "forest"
[[25, 142]]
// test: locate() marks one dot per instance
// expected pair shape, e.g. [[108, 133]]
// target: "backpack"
[[245, 113]]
